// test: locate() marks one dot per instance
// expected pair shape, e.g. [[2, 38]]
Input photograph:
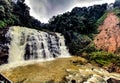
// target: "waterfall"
[[31, 44]]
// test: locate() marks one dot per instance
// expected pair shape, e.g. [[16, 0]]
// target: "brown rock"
[[111, 80], [109, 37], [112, 68]]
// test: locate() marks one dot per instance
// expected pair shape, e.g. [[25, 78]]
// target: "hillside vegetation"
[[16, 14]]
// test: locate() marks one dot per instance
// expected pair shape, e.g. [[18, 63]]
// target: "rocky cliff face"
[[3, 46], [109, 37]]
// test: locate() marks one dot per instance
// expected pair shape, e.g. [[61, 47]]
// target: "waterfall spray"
[[30, 44]]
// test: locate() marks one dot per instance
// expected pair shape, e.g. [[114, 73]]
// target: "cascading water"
[[30, 44], [33, 45]]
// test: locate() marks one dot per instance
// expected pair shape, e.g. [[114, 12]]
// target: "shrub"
[[116, 11], [78, 44], [104, 58], [101, 20], [2, 11], [90, 48], [2, 24]]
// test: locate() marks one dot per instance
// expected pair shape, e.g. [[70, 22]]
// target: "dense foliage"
[[78, 26], [104, 58], [101, 19], [116, 11], [16, 14], [117, 4], [81, 20]]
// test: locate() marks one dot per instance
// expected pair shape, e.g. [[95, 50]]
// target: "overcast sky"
[[45, 9]]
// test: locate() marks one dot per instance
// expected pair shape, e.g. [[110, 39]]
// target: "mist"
[[45, 9]]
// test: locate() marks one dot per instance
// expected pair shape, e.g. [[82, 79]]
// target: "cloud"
[[45, 9]]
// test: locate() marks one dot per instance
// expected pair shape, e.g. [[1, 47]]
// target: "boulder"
[[111, 80]]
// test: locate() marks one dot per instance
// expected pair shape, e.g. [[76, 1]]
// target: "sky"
[[45, 9]]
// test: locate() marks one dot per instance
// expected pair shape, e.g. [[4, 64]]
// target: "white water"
[[53, 45], [90, 74], [30, 44]]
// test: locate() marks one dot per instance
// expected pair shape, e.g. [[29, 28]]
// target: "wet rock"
[[112, 68], [4, 46], [50, 81], [73, 81], [111, 80], [89, 74], [3, 59], [84, 76]]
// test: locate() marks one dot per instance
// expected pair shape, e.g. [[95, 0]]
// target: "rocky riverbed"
[[61, 70]]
